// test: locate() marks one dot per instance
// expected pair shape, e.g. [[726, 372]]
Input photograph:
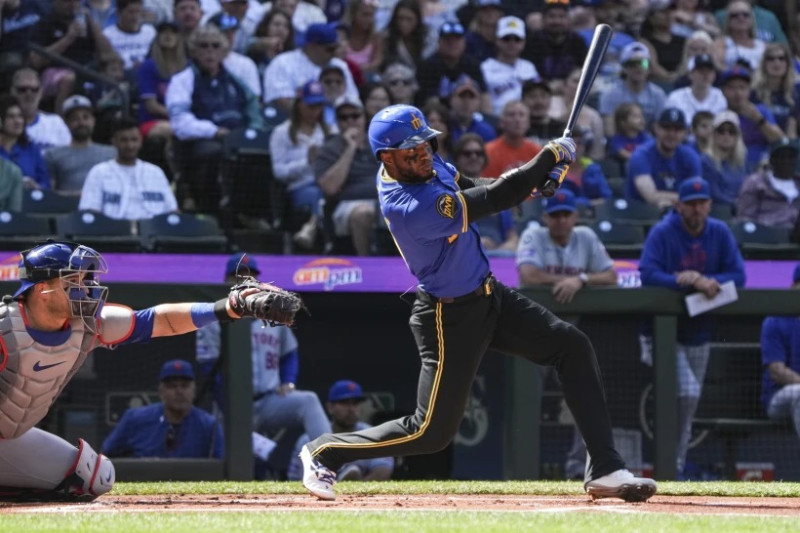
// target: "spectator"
[[724, 165], [700, 131], [69, 165], [375, 96], [698, 43], [739, 39], [631, 133], [406, 35], [563, 255], [104, 12], [701, 95], [290, 70], [556, 50], [689, 16], [538, 96], [156, 12], [776, 87], [686, 251], [15, 146], [438, 118], [498, 234], [70, 32], [756, 121], [633, 87], [294, 146], [666, 48], [129, 37], [273, 35], [345, 171], [465, 117], [483, 33], [344, 399], [248, 14], [126, 187], [11, 186], [44, 129], [771, 196], [187, 15], [437, 74], [658, 167], [780, 356], [17, 22], [240, 66], [402, 83], [173, 427], [504, 72], [767, 26], [167, 58], [511, 149], [304, 15], [332, 79], [585, 178], [587, 118], [205, 103], [365, 45]]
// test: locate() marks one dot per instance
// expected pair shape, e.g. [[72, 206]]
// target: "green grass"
[[616, 519], [545, 488]]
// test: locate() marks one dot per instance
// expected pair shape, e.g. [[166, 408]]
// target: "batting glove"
[[563, 149], [558, 173]]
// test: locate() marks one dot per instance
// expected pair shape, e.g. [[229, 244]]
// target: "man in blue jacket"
[[689, 251]]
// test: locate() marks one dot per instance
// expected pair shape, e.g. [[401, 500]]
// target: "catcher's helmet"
[[62, 259], [399, 127]]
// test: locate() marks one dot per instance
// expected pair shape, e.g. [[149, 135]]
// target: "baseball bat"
[[591, 66]]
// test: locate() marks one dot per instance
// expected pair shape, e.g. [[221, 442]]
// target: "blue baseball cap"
[[694, 189], [224, 21], [345, 389], [312, 93], [451, 28], [240, 262], [562, 200], [672, 116], [796, 276], [322, 34], [176, 368], [735, 73]]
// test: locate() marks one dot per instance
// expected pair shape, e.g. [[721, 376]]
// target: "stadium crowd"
[[136, 105]]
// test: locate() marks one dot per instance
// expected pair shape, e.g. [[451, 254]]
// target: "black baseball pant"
[[453, 334]]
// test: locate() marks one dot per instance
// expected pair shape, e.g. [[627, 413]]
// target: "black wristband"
[[221, 312]]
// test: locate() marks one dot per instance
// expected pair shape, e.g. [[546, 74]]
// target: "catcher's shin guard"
[[91, 475]]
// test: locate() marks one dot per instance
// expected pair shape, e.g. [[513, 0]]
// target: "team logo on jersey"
[[416, 123], [446, 206]]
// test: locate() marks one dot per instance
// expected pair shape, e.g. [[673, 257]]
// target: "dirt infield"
[[426, 502]]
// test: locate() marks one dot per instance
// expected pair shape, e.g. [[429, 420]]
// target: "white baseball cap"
[[510, 26], [76, 101], [632, 51]]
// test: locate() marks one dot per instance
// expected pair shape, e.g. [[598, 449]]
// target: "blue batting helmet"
[[399, 127]]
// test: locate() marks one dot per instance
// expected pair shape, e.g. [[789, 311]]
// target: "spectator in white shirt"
[[247, 12], [127, 188], [304, 14], [505, 72], [701, 95], [129, 37], [43, 129], [237, 64], [290, 70], [187, 14]]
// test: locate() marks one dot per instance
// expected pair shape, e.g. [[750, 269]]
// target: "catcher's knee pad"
[[91, 475]]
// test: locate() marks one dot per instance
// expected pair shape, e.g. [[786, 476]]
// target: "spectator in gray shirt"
[[68, 165]]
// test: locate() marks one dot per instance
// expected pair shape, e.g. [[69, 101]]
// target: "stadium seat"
[[20, 230], [530, 210], [48, 203], [621, 240], [624, 211], [722, 212], [98, 231], [763, 242], [182, 233]]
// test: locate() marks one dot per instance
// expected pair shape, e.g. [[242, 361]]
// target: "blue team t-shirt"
[[430, 226], [667, 173]]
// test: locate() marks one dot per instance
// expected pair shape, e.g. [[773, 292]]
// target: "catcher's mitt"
[[251, 298]]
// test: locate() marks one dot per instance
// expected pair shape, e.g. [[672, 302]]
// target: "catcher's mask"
[[77, 266]]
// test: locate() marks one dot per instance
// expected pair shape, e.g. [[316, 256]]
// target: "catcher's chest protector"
[[34, 374]]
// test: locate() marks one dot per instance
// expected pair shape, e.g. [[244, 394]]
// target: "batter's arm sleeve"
[[468, 183], [510, 189]]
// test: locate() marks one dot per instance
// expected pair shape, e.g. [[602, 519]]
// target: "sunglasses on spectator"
[[643, 63], [472, 153], [727, 130], [395, 83], [27, 88], [344, 117], [206, 45], [740, 14], [775, 58], [511, 39]]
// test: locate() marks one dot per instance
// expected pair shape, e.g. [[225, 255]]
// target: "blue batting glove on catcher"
[[563, 148]]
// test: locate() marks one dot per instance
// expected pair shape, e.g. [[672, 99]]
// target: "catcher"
[[54, 320]]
